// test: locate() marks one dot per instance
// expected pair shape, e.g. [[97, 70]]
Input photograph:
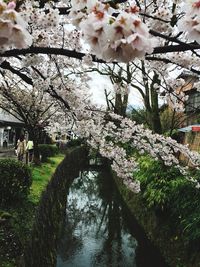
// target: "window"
[[193, 102]]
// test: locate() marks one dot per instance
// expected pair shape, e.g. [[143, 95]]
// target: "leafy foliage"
[[75, 142], [15, 180], [17, 219], [41, 176], [47, 151], [185, 207], [158, 182], [167, 191]]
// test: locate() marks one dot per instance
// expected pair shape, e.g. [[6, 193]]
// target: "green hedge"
[[15, 180], [158, 182], [47, 151], [168, 192], [75, 142]]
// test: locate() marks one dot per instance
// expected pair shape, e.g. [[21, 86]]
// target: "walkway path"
[[7, 153]]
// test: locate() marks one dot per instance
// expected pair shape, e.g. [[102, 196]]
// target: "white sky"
[[99, 83]]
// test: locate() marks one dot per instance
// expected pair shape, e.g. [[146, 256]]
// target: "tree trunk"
[[34, 135], [36, 158], [156, 123], [118, 104], [121, 103]]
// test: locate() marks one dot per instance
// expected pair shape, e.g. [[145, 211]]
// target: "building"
[[192, 105], [10, 129], [191, 125]]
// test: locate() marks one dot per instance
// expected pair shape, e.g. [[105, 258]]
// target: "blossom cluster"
[[190, 23], [13, 31], [112, 36], [120, 33], [175, 95], [110, 137], [162, 16]]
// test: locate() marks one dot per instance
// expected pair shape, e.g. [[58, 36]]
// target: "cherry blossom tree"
[[121, 32], [151, 81], [31, 106], [116, 31]]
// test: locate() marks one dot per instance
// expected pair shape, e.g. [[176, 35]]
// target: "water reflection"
[[95, 233], [99, 230]]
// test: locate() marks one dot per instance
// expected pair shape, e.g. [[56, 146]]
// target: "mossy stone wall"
[[41, 250], [158, 229]]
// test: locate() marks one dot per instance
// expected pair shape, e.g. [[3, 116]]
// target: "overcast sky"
[[99, 83]]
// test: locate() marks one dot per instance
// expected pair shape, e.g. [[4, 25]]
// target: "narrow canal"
[[99, 230]]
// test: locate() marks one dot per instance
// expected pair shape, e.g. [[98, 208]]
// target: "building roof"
[[8, 119], [190, 78], [188, 74], [185, 88], [189, 128]]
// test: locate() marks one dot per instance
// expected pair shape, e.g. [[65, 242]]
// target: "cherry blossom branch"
[[78, 55], [153, 17], [168, 61], [48, 51], [6, 65], [166, 37]]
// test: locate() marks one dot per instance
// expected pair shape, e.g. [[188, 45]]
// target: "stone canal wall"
[[158, 229], [41, 250]]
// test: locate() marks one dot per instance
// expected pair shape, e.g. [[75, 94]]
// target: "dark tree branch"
[[168, 61], [176, 48], [166, 37], [54, 94], [48, 51], [6, 65], [78, 55], [153, 17]]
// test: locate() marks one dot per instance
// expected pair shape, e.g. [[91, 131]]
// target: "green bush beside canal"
[[168, 208], [47, 151], [167, 191], [15, 180]]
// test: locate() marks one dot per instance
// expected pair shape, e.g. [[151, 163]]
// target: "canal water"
[[99, 230]]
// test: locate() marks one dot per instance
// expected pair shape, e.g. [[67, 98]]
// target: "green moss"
[[41, 176]]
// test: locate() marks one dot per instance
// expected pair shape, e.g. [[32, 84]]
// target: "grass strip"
[[41, 176], [17, 219]]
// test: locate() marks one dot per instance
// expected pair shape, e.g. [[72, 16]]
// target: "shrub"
[[166, 189], [185, 206], [15, 180], [158, 182], [47, 151], [74, 142]]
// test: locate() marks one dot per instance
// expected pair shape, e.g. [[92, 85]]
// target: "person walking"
[[21, 148], [29, 149]]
